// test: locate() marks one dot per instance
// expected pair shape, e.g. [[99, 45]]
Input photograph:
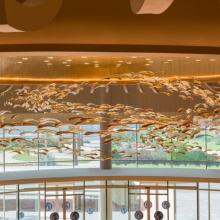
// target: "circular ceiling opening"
[[31, 3]]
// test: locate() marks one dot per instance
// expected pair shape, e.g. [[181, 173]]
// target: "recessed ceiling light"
[[151, 61], [187, 57], [49, 64], [120, 61], [166, 62], [170, 60], [198, 60], [148, 59], [212, 60], [147, 64], [64, 62], [69, 60], [118, 65], [19, 62], [24, 58], [129, 62], [86, 63], [84, 57], [95, 61], [97, 65], [68, 65], [46, 61], [50, 57], [133, 57]]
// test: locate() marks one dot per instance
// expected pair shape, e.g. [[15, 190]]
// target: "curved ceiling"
[[96, 25]]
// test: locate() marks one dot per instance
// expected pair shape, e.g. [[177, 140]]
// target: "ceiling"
[[188, 26]]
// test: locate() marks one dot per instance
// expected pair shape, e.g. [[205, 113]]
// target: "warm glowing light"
[[198, 60], [129, 62], [120, 61], [69, 60], [19, 62], [212, 60], [46, 61], [151, 61], [148, 59], [64, 62], [133, 57], [24, 58], [84, 57], [170, 60], [49, 64], [86, 63], [95, 61], [68, 65], [147, 64], [50, 57], [7, 79], [166, 62]]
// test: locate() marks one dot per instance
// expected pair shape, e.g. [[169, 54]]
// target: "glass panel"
[[11, 201], [21, 166], [189, 164], [171, 193], [1, 150], [128, 159], [203, 205], [186, 204], [26, 187], [28, 146], [214, 205], [1, 167], [154, 164], [95, 204], [29, 205], [74, 204], [56, 165], [89, 144], [159, 203], [87, 164], [124, 163], [215, 186], [151, 157], [42, 201], [54, 204], [137, 205], [191, 158], [66, 184], [91, 183], [118, 207], [1, 203]]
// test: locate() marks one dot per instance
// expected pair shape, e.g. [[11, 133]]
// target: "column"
[[106, 148]]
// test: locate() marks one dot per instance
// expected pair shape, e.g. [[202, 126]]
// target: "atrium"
[[110, 109]]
